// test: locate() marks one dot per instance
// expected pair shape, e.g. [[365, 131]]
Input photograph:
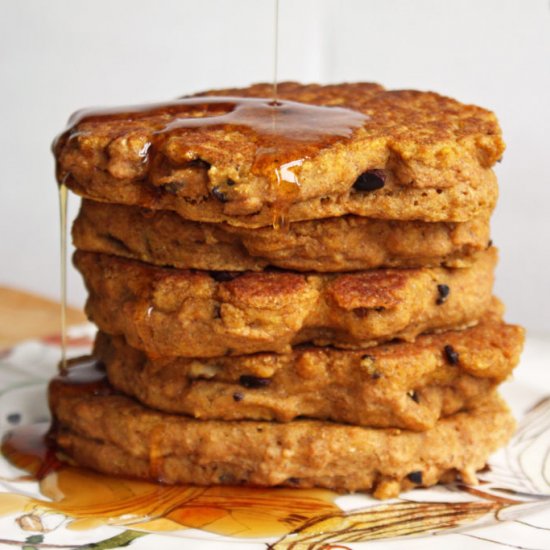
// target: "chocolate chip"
[[443, 291], [490, 243], [415, 477], [230, 183], [364, 311], [238, 396], [227, 478], [499, 160], [367, 361], [253, 382], [174, 187], [224, 276], [451, 355], [217, 311], [14, 418], [293, 480], [371, 180], [414, 396], [198, 163], [220, 195]]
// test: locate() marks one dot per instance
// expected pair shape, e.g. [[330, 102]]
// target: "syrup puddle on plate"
[[92, 499]]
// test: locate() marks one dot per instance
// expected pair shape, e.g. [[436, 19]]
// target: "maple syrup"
[[63, 196], [84, 375], [284, 134], [92, 499], [275, 49]]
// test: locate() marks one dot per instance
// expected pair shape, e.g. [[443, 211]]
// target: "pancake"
[[398, 385], [348, 243], [344, 149], [170, 312], [114, 434]]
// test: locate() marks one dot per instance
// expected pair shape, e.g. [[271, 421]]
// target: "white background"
[[60, 55]]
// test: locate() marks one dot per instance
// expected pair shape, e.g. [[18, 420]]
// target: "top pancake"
[[384, 154]]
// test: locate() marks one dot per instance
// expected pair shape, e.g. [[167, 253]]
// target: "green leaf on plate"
[[122, 539], [34, 539]]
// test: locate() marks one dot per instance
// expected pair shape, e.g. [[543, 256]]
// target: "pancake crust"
[[169, 312], [399, 385], [116, 435], [348, 243], [434, 153]]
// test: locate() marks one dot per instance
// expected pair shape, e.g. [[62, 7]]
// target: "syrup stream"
[[63, 194], [275, 50]]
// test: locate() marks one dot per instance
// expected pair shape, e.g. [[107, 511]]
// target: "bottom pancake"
[[114, 434]]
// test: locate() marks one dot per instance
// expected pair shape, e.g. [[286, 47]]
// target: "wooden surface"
[[24, 315]]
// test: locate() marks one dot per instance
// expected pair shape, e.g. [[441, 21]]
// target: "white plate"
[[511, 508]]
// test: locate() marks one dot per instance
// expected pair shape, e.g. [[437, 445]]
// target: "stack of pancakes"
[[333, 328]]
